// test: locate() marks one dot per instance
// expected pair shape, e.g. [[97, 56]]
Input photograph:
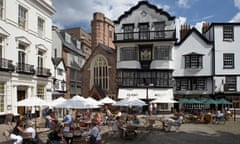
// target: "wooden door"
[[21, 96]]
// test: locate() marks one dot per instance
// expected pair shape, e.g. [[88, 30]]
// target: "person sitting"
[[117, 127], [29, 129], [56, 136], [171, 122], [219, 116], [17, 131], [135, 120], [87, 115], [94, 133]]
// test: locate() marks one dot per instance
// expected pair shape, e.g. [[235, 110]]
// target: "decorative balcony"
[[43, 72], [6, 65], [146, 36], [25, 68]]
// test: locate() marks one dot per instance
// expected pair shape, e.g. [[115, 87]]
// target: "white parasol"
[[130, 101], [57, 101], [107, 100], [32, 101], [77, 102], [163, 100]]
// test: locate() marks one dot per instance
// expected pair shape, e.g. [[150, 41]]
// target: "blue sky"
[[79, 13]]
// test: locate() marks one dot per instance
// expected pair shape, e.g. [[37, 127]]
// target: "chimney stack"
[[184, 30], [205, 26]]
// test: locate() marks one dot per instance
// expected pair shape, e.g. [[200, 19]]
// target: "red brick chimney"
[[184, 30], [205, 26]]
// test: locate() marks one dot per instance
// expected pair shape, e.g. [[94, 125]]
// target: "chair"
[[6, 134]]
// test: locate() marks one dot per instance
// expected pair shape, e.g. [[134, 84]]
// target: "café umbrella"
[[107, 100], [130, 101], [77, 102], [32, 102]]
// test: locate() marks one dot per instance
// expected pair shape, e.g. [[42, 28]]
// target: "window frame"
[[230, 83], [228, 32], [2, 9], [41, 26], [128, 31], [193, 61], [230, 62], [162, 53], [128, 53], [22, 17]]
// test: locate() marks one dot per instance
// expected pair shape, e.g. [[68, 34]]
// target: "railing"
[[6, 64], [146, 35], [45, 72], [25, 68]]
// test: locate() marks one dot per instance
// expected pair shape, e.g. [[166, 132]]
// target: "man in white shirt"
[[30, 129]]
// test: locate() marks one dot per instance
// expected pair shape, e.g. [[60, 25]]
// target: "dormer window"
[[67, 38], [193, 61]]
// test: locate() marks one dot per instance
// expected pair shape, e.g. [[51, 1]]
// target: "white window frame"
[[41, 26], [22, 17]]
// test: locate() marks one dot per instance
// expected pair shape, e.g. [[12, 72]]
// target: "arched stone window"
[[99, 72]]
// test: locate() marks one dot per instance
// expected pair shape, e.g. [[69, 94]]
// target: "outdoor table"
[[42, 130]]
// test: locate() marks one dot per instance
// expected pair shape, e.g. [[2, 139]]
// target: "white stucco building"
[[193, 66], [144, 39], [25, 52], [226, 70]]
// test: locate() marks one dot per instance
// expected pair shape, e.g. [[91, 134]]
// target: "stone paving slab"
[[189, 133]]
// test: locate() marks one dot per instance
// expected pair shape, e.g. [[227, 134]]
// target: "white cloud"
[[81, 11], [236, 18], [74, 12], [237, 3], [183, 3]]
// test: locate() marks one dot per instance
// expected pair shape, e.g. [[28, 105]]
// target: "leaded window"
[[159, 29], [230, 83], [228, 33], [144, 31], [100, 72], [162, 53], [191, 84], [193, 61], [128, 31], [128, 53], [228, 60]]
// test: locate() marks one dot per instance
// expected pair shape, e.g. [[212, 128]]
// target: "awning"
[[132, 92]]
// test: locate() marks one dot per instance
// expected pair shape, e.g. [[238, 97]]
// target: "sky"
[[79, 13]]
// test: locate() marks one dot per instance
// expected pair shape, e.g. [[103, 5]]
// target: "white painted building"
[[226, 70], [25, 52], [58, 69], [144, 39], [193, 66]]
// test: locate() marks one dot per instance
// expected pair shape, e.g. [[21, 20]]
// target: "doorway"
[[21, 94]]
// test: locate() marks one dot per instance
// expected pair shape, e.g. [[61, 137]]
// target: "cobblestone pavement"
[[228, 133]]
